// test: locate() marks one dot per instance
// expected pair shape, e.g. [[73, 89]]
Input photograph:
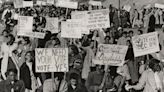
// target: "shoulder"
[[48, 81]]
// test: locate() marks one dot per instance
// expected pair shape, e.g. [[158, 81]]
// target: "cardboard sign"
[[50, 1], [27, 3], [95, 3], [51, 59], [110, 55], [25, 26], [70, 30], [18, 3], [67, 4], [159, 6], [145, 44], [98, 19], [82, 18], [41, 2], [52, 25]]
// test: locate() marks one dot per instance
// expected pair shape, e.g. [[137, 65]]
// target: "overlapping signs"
[[51, 59], [110, 55], [145, 44]]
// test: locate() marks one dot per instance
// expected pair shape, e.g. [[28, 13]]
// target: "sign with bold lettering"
[[52, 25], [27, 3], [25, 26], [51, 59], [70, 30], [145, 44], [67, 4], [110, 55], [98, 19]]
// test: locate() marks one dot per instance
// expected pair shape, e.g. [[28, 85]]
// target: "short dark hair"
[[153, 62], [60, 75], [74, 76]]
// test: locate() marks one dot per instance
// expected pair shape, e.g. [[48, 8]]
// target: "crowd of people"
[[138, 74]]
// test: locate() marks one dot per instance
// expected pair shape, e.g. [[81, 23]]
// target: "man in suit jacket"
[[11, 84], [152, 80]]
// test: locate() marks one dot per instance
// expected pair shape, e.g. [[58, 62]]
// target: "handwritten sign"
[[51, 59], [27, 3], [98, 19], [25, 26], [70, 30], [50, 2], [95, 3], [52, 25], [18, 3], [41, 2], [110, 55], [145, 44], [67, 4], [161, 6]]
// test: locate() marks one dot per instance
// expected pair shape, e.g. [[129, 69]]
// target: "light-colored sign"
[[98, 19], [25, 26], [27, 3], [41, 2], [95, 3], [70, 30], [110, 55], [18, 3], [51, 59], [159, 6], [52, 25], [67, 4], [145, 44], [127, 8], [50, 1]]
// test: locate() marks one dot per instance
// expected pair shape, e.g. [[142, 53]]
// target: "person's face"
[[130, 34], [73, 81], [28, 57], [24, 42], [11, 76], [5, 33], [70, 50], [53, 42], [8, 39], [157, 68]]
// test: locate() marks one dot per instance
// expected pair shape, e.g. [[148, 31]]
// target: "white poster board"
[[110, 55], [41, 2], [67, 4], [98, 19], [70, 30], [18, 3], [50, 1], [145, 44], [51, 59], [82, 18], [161, 6], [52, 24], [27, 3], [95, 3], [25, 26]]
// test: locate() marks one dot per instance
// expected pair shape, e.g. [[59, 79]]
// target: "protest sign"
[[82, 25], [67, 4], [25, 26], [159, 6], [18, 3], [95, 3], [52, 24], [41, 2], [50, 1], [110, 55], [51, 59], [70, 30], [98, 19], [145, 44], [27, 3]]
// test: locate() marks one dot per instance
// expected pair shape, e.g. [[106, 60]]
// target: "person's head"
[[73, 50], [100, 68], [5, 32], [107, 40], [11, 74], [29, 56], [10, 39], [74, 79], [131, 33], [55, 41], [154, 65], [140, 32], [25, 40], [124, 34], [59, 76]]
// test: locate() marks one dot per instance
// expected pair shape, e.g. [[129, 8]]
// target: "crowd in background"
[[18, 57]]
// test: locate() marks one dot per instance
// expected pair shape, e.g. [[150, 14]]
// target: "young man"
[[11, 84]]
